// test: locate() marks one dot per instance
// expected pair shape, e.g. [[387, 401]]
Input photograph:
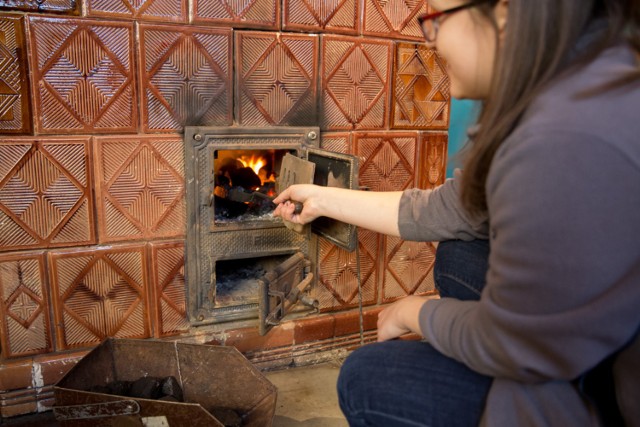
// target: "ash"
[[238, 285]]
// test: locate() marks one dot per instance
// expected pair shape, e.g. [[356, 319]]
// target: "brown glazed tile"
[[70, 6], [433, 159], [337, 286], [315, 329], [83, 80], [140, 187], [393, 18], [167, 275], [349, 323], [157, 10], [338, 142], [408, 269], [263, 14], [421, 97], [186, 77], [45, 193], [276, 79], [15, 108], [98, 293], [250, 340], [334, 16], [16, 375], [387, 159], [26, 328], [355, 83]]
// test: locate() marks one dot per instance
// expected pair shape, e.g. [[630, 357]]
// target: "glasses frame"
[[436, 16]]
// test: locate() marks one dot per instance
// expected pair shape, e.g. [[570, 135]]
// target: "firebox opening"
[[237, 280], [245, 184]]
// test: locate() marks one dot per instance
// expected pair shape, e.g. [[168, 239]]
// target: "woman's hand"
[[400, 318], [306, 194]]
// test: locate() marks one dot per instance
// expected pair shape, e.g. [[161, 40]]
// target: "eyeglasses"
[[430, 22]]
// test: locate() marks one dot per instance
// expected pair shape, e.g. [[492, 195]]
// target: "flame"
[[256, 163], [253, 162]]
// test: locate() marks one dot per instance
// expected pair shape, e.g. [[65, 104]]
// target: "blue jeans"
[[409, 383]]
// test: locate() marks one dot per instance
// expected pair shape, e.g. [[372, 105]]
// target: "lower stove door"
[[285, 289]]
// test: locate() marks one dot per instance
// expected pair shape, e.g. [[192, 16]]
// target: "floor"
[[307, 397]]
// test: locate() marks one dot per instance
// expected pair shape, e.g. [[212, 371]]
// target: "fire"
[[256, 163]]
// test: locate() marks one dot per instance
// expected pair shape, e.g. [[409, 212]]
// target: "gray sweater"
[[563, 286]]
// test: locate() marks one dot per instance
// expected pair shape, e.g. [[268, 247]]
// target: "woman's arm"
[[376, 211]]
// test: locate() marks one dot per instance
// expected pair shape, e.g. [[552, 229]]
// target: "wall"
[[93, 99]]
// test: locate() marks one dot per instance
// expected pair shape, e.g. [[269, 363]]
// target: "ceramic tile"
[[314, 329], [433, 159], [355, 83], [186, 77], [263, 14], [45, 194], [167, 275], [335, 16], [338, 142], [157, 10], [249, 339], [349, 323], [276, 79], [83, 80], [16, 375], [421, 97], [387, 159], [393, 18], [68, 6], [15, 109], [408, 269], [140, 187], [24, 305], [337, 286], [98, 293]]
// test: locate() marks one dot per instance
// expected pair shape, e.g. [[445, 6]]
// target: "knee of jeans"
[[350, 379]]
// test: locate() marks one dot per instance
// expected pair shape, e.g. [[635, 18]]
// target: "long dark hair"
[[534, 51]]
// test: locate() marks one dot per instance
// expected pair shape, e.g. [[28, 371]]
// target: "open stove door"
[[285, 289], [334, 170]]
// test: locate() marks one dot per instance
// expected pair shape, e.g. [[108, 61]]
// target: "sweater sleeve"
[[562, 288], [436, 215]]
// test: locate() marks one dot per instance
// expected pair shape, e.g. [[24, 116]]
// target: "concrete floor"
[[307, 397]]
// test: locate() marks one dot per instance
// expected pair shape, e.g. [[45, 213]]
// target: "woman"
[[539, 265]]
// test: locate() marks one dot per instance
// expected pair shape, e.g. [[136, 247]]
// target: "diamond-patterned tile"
[[15, 109], [408, 269], [263, 14], [41, 5], [140, 187], [82, 75], [337, 286], [338, 142], [45, 193], [156, 10], [167, 272], [355, 83], [387, 159], [186, 75], [433, 159], [276, 79], [99, 293], [421, 97], [24, 305], [393, 18], [334, 16]]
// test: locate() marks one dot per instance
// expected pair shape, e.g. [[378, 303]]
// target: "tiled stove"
[[95, 96]]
